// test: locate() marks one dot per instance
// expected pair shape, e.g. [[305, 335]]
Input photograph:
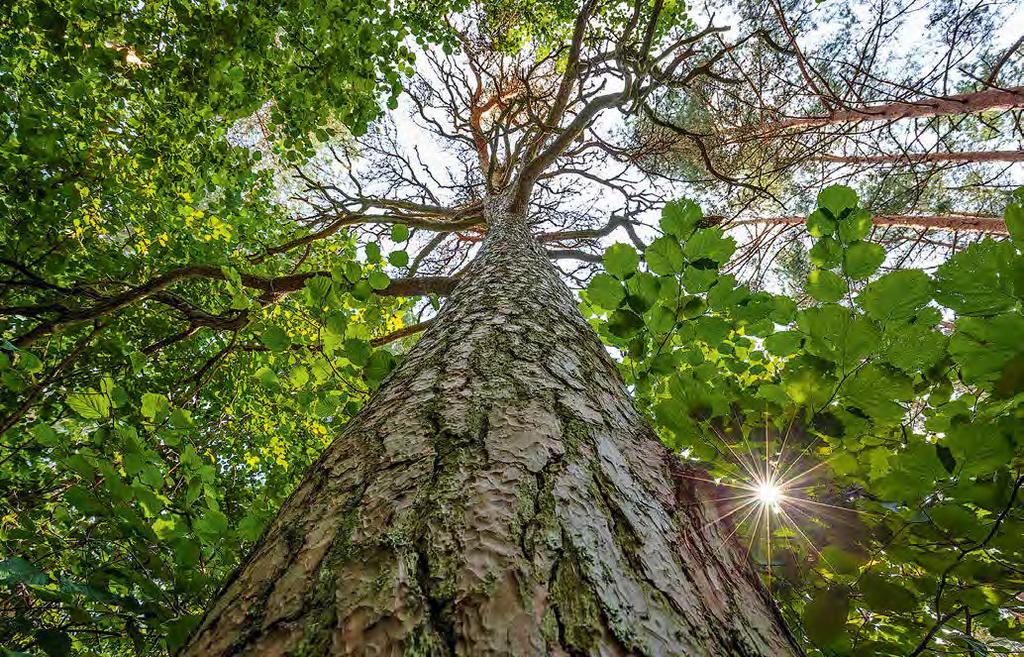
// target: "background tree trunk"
[[913, 158], [972, 103], [498, 495], [969, 223]]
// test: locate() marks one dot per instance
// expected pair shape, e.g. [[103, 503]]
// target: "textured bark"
[[498, 495]]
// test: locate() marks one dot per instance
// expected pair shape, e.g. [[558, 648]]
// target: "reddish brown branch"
[[948, 222], [980, 101], [911, 158]]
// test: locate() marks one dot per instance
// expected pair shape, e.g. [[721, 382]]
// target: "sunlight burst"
[[772, 491], [769, 494]]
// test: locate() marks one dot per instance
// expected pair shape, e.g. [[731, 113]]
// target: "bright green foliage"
[[903, 430], [621, 260], [156, 441], [824, 285]]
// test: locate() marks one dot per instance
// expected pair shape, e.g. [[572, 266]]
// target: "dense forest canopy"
[[793, 224]]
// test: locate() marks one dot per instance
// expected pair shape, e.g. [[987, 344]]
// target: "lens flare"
[[772, 491], [769, 494]]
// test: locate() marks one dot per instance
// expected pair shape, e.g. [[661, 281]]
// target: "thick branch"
[[911, 158], [358, 219], [980, 101], [949, 222], [583, 234], [403, 332], [573, 254], [270, 286]]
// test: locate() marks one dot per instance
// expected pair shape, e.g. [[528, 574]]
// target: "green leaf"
[[955, 519], [84, 501], [621, 260], [837, 335], [362, 290], [1014, 218], [820, 225], [784, 309], [29, 362], [378, 280], [336, 323], [897, 296], [54, 643], [357, 351], [379, 365], [178, 631], [625, 323], [945, 457], [855, 227], [862, 259], [45, 434], [837, 198], [679, 218], [784, 343], [16, 570], [605, 291], [879, 393], [841, 561], [399, 233], [978, 280], [713, 330], [916, 469], [398, 258], [154, 405], [699, 280], [352, 271], [181, 418], [211, 525], [318, 289], [979, 448], [642, 291], [825, 616], [883, 595], [661, 319], [844, 463], [267, 377], [664, 256], [372, 250], [299, 377], [913, 347], [711, 244], [982, 347], [275, 339], [89, 404], [826, 253], [825, 286]]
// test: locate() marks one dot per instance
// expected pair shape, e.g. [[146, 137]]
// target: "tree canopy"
[[224, 224]]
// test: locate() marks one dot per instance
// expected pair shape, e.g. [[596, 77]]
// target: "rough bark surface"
[[498, 495]]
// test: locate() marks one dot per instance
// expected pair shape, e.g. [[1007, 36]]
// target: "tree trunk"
[[498, 495], [980, 101], [914, 158]]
